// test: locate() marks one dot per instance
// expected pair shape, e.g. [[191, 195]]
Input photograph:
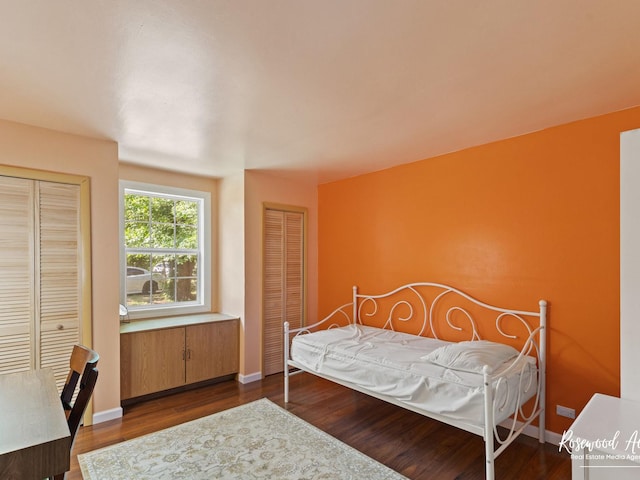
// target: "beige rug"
[[258, 440]]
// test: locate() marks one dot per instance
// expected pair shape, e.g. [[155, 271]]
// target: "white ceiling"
[[315, 89]]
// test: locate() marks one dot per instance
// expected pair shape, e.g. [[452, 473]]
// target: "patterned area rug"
[[258, 440]]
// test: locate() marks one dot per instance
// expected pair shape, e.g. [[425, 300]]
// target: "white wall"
[[261, 187], [231, 254], [630, 265], [39, 148]]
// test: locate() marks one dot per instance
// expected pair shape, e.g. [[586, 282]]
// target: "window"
[[165, 250]]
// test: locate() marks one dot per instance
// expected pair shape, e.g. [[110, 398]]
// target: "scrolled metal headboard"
[[423, 307]]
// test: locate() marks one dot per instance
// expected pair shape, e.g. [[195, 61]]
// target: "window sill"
[[173, 321]]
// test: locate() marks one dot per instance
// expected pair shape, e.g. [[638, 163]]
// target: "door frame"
[[84, 251]]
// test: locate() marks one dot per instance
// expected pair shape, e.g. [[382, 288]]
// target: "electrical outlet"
[[565, 411]]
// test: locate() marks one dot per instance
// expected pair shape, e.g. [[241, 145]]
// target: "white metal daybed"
[[469, 383]]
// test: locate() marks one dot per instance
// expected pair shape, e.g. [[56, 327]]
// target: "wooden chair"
[[82, 367], [82, 359]]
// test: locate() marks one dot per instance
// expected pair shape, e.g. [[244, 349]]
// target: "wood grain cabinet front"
[[156, 360]]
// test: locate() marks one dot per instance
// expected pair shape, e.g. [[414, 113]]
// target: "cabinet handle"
[[184, 353], [189, 354], [60, 326]]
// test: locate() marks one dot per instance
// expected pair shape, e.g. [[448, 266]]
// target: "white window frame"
[[204, 268]]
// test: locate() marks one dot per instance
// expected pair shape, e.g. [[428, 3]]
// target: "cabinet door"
[[212, 350], [151, 361]]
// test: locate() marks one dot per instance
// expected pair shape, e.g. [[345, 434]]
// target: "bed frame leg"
[[542, 372], [286, 362], [489, 452], [490, 467]]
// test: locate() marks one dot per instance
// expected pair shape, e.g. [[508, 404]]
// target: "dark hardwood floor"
[[411, 444]]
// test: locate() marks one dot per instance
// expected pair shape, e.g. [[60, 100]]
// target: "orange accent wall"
[[511, 222]]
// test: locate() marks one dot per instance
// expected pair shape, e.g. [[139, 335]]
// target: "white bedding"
[[397, 365]]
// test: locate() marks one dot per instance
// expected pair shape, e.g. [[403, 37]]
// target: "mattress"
[[403, 366]]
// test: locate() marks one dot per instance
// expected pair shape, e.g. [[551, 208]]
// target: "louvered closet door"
[[60, 292], [17, 310], [283, 282], [40, 295]]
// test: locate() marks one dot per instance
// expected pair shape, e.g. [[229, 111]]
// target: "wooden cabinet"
[[155, 360]]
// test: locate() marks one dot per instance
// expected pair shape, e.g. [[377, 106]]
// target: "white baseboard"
[[553, 437], [253, 377], [532, 431], [107, 415]]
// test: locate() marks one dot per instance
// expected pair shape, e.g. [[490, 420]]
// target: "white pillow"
[[472, 356]]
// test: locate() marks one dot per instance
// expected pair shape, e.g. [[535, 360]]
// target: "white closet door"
[[40, 284], [60, 293], [273, 290], [17, 300], [294, 269], [283, 282]]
